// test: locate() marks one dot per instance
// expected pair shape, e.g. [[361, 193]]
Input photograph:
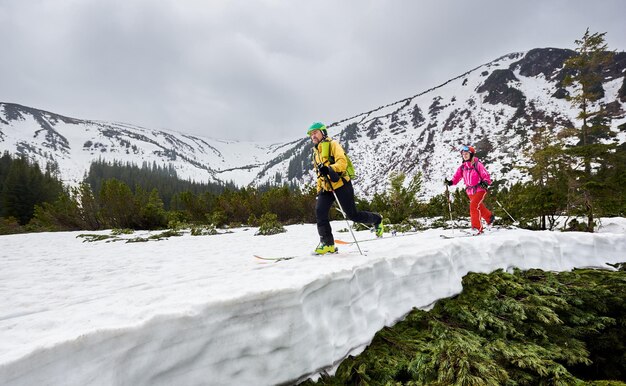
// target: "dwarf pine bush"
[[270, 225], [521, 328]]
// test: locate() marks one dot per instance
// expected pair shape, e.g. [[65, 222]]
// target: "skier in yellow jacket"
[[331, 164]]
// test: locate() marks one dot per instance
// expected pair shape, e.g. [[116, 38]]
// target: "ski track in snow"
[[203, 310]]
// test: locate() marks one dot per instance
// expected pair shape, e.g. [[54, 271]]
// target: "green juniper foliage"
[[270, 225], [399, 203], [521, 328], [208, 230], [93, 237]]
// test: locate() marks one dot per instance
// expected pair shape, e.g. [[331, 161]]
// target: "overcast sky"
[[265, 69]]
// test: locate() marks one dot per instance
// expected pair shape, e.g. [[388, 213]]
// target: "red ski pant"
[[478, 210]]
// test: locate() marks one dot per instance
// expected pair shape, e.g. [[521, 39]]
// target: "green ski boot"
[[323, 249], [379, 229]]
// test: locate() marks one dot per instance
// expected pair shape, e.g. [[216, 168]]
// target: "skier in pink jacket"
[[477, 180]]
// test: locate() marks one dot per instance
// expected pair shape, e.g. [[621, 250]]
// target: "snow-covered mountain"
[[72, 144], [496, 107]]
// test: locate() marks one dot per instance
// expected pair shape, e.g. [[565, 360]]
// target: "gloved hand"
[[333, 175], [323, 169], [447, 182], [484, 185]]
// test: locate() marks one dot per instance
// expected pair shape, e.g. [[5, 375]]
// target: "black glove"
[[484, 185], [333, 175], [323, 169], [447, 182]]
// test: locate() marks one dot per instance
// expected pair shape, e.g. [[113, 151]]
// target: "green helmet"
[[316, 126]]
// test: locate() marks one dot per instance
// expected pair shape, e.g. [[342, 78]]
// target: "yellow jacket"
[[330, 153]]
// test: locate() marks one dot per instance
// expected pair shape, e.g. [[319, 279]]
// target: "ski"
[[456, 236], [284, 258], [465, 233], [275, 259], [337, 241]]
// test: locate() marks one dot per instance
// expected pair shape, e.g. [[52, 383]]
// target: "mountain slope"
[[71, 144], [496, 107]]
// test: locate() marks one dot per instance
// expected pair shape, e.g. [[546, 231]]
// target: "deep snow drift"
[[202, 310]]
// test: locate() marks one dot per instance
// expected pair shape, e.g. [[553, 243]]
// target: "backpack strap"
[[326, 153]]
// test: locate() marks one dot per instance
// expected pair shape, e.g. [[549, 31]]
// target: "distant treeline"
[[130, 197], [23, 185], [164, 179], [117, 195], [121, 195]]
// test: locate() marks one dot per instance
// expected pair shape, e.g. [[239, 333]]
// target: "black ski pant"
[[345, 194]]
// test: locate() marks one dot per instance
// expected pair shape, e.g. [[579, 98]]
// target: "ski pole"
[[449, 208], [344, 214], [505, 211]]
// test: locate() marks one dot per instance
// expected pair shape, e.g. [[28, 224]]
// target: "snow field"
[[202, 310]]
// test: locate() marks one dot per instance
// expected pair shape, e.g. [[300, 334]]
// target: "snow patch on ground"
[[203, 310]]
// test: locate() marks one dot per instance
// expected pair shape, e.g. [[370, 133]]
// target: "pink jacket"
[[472, 173]]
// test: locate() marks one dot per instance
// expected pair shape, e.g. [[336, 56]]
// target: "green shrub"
[[521, 328], [9, 226], [218, 218], [93, 237], [270, 225], [122, 231], [252, 220], [207, 230]]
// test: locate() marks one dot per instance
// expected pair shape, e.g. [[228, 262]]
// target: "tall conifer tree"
[[585, 75]]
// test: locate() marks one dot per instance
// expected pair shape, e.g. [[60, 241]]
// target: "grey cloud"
[[264, 70]]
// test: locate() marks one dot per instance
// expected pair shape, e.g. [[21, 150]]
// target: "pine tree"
[[545, 195], [62, 214], [89, 206], [585, 74], [152, 212], [118, 206], [399, 203]]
